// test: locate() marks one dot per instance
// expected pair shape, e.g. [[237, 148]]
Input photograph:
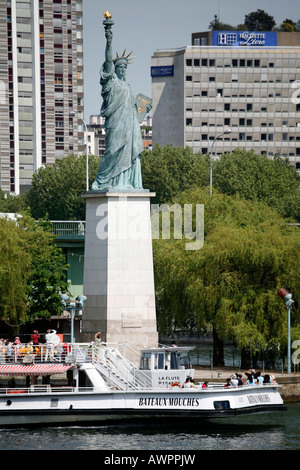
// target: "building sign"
[[244, 38], [163, 71]]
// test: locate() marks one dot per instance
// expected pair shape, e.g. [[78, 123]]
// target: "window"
[[221, 405]]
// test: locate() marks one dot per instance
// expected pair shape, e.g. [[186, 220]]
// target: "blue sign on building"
[[162, 71], [244, 38]]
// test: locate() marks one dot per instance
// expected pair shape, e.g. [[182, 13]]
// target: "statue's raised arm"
[[120, 166], [108, 23]]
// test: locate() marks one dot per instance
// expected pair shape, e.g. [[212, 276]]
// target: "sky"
[[145, 26]]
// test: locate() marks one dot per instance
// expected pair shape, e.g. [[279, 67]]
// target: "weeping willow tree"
[[15, 267], [32, 272], [229, 286]]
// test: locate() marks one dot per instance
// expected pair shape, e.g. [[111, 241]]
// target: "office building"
[[247, 83], [41, 83]]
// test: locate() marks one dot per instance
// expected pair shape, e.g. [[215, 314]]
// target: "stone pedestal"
[[118, 269]]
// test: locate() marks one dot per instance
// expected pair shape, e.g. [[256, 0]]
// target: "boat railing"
[[29, 354], [48, 389]]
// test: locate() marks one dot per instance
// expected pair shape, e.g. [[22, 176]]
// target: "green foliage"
[[258, 178], [168, 170], [56, 190], [230, 284], [12, 204], [32, 271], [259, 20]]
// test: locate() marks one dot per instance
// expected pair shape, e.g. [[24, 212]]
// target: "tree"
[[32, 272], [12, 204], [169, 170], [230, 285], [259, 178], [57, 189], [288, 25], [217, 25], [259, 20]]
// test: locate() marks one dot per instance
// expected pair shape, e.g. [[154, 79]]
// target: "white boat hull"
[[23, 409]]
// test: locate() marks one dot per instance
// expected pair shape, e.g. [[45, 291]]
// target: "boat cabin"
[[167, 365]]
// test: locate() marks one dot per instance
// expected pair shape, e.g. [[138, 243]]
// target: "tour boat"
[[97, 383]]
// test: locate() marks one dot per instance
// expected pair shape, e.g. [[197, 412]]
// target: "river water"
[[272, 431]]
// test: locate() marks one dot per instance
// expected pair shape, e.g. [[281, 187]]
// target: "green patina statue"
[[120, 167]]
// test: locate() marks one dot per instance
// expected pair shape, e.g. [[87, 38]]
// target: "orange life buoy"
[[175, 384], [16, 391]]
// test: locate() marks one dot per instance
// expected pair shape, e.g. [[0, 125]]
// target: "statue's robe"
[[120, 167]]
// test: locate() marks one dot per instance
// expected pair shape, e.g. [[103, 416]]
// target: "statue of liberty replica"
[[118, 259], [120, 167]]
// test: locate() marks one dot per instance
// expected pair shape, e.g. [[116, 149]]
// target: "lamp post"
[[86, 147], [211, 155], [72, 306], [287, 297]]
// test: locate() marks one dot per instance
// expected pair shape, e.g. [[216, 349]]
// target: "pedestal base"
[[118, 269]]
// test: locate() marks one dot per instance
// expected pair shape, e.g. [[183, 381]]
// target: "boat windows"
[[54, 403], [222, 405], [145, 361], [159, 361]]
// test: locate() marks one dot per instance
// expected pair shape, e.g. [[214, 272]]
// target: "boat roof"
[[33, 369]]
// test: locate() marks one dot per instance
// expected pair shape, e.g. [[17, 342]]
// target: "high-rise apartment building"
[[41, 83], [244, 82]]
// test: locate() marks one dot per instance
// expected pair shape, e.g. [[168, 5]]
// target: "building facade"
[[231, 89], [41, 83]]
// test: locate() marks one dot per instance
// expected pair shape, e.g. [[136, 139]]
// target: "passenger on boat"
[[98, 337], [9, 350], [35, 337], [234, 381], [228, 383], [187, 383], [52, 340], [250, 377], [240, 379], [205, 385], [267, 379], [259, 379]]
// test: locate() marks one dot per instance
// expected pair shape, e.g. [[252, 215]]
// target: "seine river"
[[274, 431]]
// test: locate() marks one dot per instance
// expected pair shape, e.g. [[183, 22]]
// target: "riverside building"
[[41, 83], [230, 89]]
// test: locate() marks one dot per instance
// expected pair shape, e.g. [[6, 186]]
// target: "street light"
[[211, 155], [86, 147], [287, 297], [72, 306]]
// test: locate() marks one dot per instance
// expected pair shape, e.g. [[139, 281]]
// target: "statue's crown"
[[127, 59]]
